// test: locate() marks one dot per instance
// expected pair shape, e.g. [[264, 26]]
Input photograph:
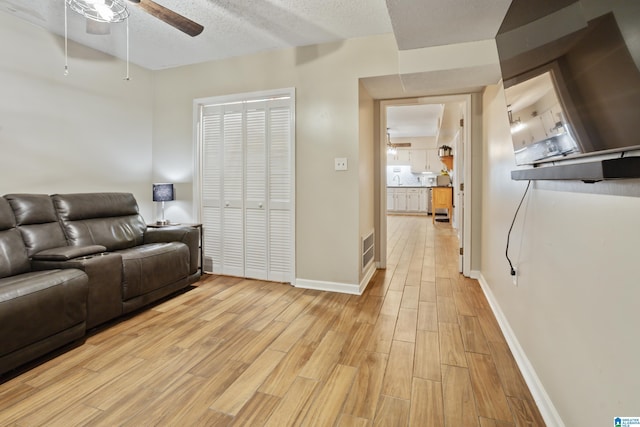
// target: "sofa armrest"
[[65, 253], [190, 236]]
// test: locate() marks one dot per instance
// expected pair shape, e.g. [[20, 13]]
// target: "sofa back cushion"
[[37, 220], [13, 254], [108, 219]]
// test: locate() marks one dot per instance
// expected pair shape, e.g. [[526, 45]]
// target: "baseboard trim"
[[545, 405], [368, 275], [318, 285], [475, 274]]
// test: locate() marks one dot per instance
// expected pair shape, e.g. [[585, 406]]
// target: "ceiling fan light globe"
[[100, 10]]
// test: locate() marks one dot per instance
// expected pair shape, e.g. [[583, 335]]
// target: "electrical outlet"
[[340, 163], [514, 278]]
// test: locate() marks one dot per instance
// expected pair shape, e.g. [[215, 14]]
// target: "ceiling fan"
[[102, 12]]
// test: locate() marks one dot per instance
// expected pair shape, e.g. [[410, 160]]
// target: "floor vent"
[[368, 250]]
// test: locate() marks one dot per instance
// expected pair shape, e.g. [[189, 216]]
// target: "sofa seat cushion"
[[153, 266], [37, 305]]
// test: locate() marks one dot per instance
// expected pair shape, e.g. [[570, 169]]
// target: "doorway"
[[460, 175]]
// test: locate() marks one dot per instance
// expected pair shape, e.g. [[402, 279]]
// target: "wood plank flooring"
[[421, 347]]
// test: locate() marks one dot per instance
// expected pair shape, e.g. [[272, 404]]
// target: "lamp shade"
[[163, 192]]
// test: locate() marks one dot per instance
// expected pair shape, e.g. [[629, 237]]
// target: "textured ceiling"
[[231, 27], [240, 27]]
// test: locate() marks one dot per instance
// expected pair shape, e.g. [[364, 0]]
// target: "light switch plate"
[[341, 163]]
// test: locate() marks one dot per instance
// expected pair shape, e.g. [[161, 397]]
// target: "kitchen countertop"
[[416, 186]]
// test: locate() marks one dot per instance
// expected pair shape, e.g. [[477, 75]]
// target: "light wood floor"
[[419, 348]]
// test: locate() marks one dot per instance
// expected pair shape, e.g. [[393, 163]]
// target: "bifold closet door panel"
[[255, 213]]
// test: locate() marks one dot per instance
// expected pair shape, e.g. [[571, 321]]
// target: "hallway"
[[463, 370]]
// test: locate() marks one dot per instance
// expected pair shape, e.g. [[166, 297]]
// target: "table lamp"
[[163, 193]]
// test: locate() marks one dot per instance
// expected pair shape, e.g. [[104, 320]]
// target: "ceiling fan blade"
[[172, 18]]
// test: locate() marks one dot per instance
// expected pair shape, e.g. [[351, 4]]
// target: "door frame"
[[245, 97], [381, 231]]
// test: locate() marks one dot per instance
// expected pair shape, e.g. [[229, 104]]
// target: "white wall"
[[88, 131], [575, 309]]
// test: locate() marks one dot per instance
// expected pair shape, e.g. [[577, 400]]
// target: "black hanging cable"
[[506, 252]]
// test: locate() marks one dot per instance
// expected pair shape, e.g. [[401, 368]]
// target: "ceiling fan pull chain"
[[66, 56], [127, 76]]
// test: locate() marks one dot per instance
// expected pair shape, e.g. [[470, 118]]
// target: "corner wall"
[[88, 131], [574, 309], [366, 170]]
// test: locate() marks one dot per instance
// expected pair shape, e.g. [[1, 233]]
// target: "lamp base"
[[163, 222]]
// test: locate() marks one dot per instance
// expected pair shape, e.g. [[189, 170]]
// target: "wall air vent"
[[368, 250]]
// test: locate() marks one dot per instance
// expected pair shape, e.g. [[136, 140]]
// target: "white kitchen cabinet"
[[413, 199], [424, 200], [391, 159], [404, 157], [408, 200], [401, 199], [391, 199], [418, 161], [433, 163], [401, 158]]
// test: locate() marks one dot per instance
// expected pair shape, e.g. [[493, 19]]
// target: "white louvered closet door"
[[247, 189], [280, 195], [255, 214], [211, 193], [232, 191]]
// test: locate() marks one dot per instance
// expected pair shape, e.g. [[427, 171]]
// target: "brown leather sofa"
[[70, 262]]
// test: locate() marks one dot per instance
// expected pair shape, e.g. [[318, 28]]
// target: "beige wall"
[[366, 169], [328, 204], [475, 162], [575, 308], [88, 131]]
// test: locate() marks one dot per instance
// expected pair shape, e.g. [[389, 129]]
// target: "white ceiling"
[[241, 27], [414, 120]]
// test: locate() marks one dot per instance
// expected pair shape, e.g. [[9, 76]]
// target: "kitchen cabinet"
[[418, 161], [397, 199], [425, 161], [391, 199], [433, 161], [401, 200], [407, 199], [401, 158], [413, 199], [424, 196]]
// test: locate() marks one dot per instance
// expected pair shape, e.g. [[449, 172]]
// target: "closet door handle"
[[227, 204], [260, 205]]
